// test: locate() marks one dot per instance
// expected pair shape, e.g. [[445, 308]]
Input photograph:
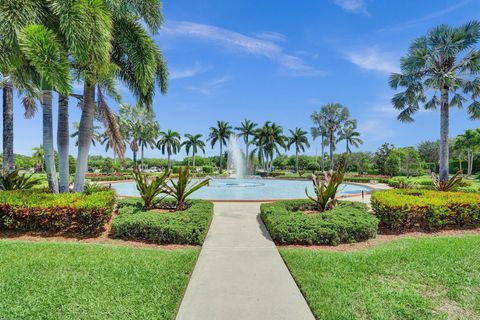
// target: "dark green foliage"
[[325, 188], [189, 226], [181, 188], [313, 166], [207, 169], [16, 181], [288, 223], [150, 187], [403, 209], [34, 210]]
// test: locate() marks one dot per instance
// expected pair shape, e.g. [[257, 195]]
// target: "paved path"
[[240, 274]]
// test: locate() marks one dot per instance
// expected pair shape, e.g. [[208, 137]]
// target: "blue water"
[[248, 189]]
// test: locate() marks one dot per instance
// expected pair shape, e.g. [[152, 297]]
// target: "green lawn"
[[87, 281], [429, 278]]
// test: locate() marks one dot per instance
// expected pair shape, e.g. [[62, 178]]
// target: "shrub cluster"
[[189, 226], [428, 209], [34, 210], [365, 179], [108, 177], [288, 223]]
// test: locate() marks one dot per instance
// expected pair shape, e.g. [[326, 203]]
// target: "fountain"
[[236, 161]]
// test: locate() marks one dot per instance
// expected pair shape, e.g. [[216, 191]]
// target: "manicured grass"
[[80, 281], [428, 278]]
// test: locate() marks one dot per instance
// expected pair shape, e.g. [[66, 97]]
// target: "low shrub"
[[208, 169], [94, 177], [288, 223], [34, 210], [365, 179], [428, 209], [189, 226]]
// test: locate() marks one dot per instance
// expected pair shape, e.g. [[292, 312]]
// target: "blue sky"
[[281, 60]]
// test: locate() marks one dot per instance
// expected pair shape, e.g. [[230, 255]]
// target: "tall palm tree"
[[319, 131], [195, 143], [220, 134], [268, 139], [444, 62], [350, 134], [169, 142], [122, 48], [334, 115], [298, 137], [246, 130]]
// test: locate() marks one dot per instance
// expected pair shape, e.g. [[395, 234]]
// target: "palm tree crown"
[[169, 143], [195, 143], [299, 139], [246, 130], [350, 134], [220, 134]]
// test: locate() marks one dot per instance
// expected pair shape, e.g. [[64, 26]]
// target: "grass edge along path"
[[413, 278], [48, 280]]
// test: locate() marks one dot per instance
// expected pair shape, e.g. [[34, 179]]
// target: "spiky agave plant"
[[326, 189], [181, 189], [16, 181], [150, 187], [449, 185]]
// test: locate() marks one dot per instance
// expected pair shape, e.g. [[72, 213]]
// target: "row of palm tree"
[[47, 45]]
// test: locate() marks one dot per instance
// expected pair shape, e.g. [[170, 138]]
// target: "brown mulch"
[[383, 238]]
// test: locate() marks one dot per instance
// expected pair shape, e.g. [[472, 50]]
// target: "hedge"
[[185, 227], [36, 210], [288, 223], [428, 209]]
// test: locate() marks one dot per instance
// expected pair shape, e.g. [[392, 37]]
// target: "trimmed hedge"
[[366, 179], [185, 227], [35, 210], [288, 223], [427, 209]]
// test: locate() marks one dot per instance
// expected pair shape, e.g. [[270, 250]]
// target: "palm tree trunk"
[[444, 123], [296, 161], [85, 132], [469, 162], [141, 156], [323, 153], [169, 164], [193, 158], [63, 143], [134, 159], [220, 159], [246, 156], [8, 161], [331, 151], [49, 151]]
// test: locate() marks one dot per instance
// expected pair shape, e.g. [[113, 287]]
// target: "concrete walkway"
[[240, 274]]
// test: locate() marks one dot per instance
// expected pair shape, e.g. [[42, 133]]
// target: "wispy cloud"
[[425, 18], [357, 6], [374, 130], [271, 36], [181, 73], [250, 45], [372, 59], [212, 87]]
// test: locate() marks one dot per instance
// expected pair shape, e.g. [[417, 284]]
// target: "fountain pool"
[[249, 189]]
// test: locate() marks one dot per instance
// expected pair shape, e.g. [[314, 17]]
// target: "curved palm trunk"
[[135, 159], [49, 151], [8, 161], [63, 143], [331, 150], [85, 132], [323, 153], [193, 158], [444, 122]]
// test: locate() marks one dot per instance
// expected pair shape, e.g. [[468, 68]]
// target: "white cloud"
[[372, 59], [373, 130], [358, 6], [181, 73], [211, 87], [242, 43], [271, 36]]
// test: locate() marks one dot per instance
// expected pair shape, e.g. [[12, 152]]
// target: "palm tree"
[[334, 115], [246, 130], [350, 135], [120, 47], [319, 131], [220, 134], [195, 143], [468, 143], [38, 155], [444, 62], [170, 143], [267, 140], [298, 137]]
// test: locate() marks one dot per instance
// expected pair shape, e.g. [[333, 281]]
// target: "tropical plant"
[[246, 130], [429, 152], [442, 62], [220, 134], [449, 185], [334, 115], [182, 188], [38, 156], [15, 181], [170, 143], [195, 143], [319, 131], [469, 144], [96, 135], [350, 135], [326, 188], [268, 139], [299, 139], [150, 187]]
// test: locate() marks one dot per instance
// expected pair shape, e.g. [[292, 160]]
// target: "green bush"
[[189, 226], [34, 210], [365, 179], [288, 223], [428, 209], [207, 169]]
